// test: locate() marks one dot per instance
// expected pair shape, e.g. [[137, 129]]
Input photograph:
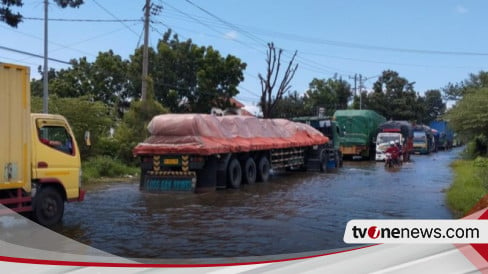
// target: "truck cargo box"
[[15, 148]]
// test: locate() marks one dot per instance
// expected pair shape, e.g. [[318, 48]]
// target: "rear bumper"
[[354, 150]]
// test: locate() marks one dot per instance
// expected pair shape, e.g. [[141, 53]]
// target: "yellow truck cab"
[[39, 158]]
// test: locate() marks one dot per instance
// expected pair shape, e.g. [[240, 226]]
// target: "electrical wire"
[[113, 15], [34, 55], [84, 20]]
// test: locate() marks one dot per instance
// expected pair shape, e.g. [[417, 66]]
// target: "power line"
[[208, 26], [113, 15], [34, 55], [84, 20], [307, 64], [232, 26], [312, 40]]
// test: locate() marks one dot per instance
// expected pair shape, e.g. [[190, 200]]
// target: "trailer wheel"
[[234, 174], [49, 206], [263, 169], [250, 171]]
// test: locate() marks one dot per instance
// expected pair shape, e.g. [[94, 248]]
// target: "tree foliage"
[[456, 91], [105, 80], [331, 94], [13, 18], [393, 97], [268, 82], [187, 77], [291, 105], [133, 128], [434, 105], [469, 116]]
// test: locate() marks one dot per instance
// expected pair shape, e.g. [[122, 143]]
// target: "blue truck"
[[423, 139], [446, 135]]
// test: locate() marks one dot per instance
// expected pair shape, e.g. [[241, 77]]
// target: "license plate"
[[170, 161]]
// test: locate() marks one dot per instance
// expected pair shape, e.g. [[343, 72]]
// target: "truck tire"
[[264, 168], [234, 174], [48, 206], [249, 171]]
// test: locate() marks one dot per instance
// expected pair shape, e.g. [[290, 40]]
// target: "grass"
[[469, 186], [101, 167]]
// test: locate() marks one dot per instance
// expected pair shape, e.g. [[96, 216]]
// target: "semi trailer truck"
[[202, 152]]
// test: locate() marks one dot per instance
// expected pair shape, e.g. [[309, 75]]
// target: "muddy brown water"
[[294, 212]]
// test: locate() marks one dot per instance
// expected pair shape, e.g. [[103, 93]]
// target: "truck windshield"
[[419, 136], [386, 139]]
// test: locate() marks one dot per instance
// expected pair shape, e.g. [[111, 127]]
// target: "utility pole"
[[145, 56], [45, 92], [355, 82], [360, 91]]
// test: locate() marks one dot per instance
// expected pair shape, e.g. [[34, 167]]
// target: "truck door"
[[55, 155]]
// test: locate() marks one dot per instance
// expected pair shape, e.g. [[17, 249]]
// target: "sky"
[[430, 43]]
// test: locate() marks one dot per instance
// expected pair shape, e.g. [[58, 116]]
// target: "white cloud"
[[231, 35], [461, 9]]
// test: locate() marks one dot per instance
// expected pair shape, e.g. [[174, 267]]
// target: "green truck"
[[360, 128], [331, 130]]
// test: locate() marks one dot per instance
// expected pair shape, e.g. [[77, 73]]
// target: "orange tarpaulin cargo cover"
[[204, 134]]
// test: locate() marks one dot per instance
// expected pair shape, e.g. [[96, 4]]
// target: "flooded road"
[[294, 212]]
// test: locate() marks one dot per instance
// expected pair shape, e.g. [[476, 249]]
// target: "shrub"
[[103, 166]]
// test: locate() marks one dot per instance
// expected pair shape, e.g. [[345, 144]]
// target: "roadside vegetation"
[[101, 167], [469, 186], [469, 120]]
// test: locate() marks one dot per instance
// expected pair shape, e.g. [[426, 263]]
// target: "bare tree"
[[268, 83]]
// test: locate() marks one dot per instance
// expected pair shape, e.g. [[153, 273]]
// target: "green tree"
[[105, 80], [469, 116], [331, 94], [321, 94], [13, 19], [133, 128], [188, 77], [434, 106], [456, 91], [291, 105], [393, 97], [36, 84]]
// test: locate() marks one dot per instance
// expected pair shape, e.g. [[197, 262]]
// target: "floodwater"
[[294, 212]]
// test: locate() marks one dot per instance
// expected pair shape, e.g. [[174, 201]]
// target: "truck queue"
[[191, 152]]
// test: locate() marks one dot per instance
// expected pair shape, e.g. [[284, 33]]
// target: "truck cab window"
[[56, 137]]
